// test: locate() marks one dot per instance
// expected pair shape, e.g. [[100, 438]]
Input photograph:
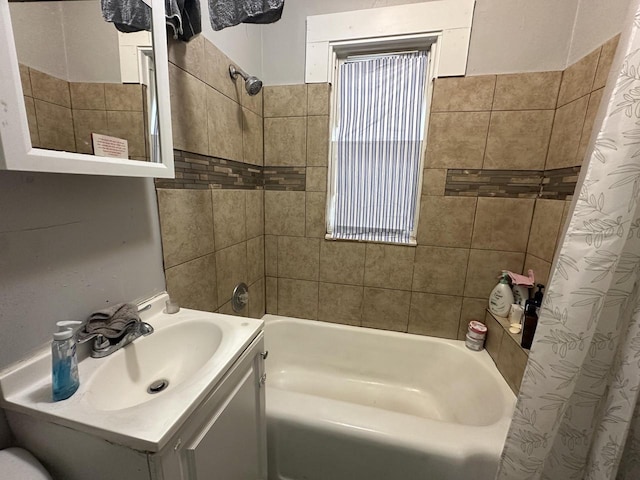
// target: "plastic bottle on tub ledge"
[[501, 297]]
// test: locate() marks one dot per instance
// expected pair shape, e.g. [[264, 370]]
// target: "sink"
[[140, 395], [151, 366]]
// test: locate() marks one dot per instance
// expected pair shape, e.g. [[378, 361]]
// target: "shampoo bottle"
[[64, 362], [501, 297], [530, 324]]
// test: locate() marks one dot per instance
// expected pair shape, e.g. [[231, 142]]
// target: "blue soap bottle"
[[64, 362]]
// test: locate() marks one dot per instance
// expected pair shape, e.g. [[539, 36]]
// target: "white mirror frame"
[[16, 151]]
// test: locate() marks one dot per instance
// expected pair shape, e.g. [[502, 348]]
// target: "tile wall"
[[62, 115], [211, 214], [511, 124]]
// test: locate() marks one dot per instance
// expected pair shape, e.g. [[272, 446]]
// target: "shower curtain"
[[578, 414]]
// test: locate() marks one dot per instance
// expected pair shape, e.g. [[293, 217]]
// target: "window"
[[380, 108]]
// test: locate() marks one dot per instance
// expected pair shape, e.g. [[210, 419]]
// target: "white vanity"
[[206, 421]]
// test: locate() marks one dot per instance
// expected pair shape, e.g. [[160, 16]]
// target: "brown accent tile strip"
[[194, 171], [285, 178], [556, 184]]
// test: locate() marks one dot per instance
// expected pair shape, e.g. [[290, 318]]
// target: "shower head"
[[252, 84]]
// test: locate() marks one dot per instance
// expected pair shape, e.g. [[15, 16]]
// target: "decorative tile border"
[[556, 184], [285, 178], [195, 171]]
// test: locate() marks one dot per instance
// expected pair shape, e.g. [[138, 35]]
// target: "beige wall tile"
[[55, 126], [518, 140], [386, 309], [229, 221], [446, 221], [435, 315], [577, 80], [298, 257], [217, 73], [130, 126], [298, 298], [318, 98], [50, 89], [512, 361], [271, 255], [284, 213], [285, 101], [440, 270], [472, 309], [457, 140], [340, 303], [389, 266], [604, 62], [193, 284], [463, 94], [252, 102], [547, 218], [502, 223], [188, 56], [186, 224], [342, 262], [316, 179], [227, 309], [25, 80], [271, 292], [565, 137], [485, 267], [86, 122], [255, 259], [285, 141], [87, 96], [527, 91], [316, 203], [495, 332], [257, 305], [592, 109], [255, 213], [126, 97], [188, 112], [224, 121], [434, 181], [541, 268], [317, 141], [231, 270], [252, 138], [32, 120]]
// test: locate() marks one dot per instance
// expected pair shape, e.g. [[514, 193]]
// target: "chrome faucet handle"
[[100, 342]]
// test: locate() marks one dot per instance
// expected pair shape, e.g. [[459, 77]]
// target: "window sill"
[[412, 243]]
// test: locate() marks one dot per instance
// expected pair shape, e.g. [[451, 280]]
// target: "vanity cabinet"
[[223, 438]]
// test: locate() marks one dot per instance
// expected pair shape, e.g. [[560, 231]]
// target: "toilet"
[[18, 464]]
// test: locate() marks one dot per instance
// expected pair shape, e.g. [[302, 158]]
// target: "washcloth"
[[517, 279], [182, 16], [111, 322], [227, 13]]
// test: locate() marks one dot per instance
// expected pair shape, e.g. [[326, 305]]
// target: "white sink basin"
[[165, 358], [192, 350]]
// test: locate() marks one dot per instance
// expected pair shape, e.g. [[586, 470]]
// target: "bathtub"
[[349, 403]]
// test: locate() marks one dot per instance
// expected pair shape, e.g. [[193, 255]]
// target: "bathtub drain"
[[158, 386]]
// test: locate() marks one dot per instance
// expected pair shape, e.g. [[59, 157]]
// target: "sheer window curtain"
[[377, 148]]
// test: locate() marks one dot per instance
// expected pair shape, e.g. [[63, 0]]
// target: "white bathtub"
[[348, 403]]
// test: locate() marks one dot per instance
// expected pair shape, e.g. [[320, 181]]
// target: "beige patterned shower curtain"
[[578, 414]]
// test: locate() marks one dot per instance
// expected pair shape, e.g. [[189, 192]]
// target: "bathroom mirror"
[[79, 96]]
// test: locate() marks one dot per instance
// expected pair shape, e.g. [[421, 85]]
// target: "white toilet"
[[18, 464]]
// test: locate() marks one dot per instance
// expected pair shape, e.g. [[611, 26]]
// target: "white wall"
[[596, 21], [70, 244]]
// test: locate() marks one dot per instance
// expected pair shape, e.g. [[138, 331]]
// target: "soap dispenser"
[[501, 297], [64, 362]]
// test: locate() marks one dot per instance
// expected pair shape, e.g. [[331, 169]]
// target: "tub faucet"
[[103, 346]]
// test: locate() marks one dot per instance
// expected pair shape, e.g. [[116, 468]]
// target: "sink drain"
[[158, 386]]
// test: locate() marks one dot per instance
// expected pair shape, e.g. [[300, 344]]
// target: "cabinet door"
[[232, 444]]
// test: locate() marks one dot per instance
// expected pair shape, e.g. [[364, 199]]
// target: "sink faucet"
[[103, 346]]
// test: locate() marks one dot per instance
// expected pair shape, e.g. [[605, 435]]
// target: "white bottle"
[[501, 297]]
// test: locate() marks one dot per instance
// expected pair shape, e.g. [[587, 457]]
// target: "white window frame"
[[379, 46]]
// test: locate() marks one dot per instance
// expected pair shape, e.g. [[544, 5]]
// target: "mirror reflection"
[[88, 88]]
